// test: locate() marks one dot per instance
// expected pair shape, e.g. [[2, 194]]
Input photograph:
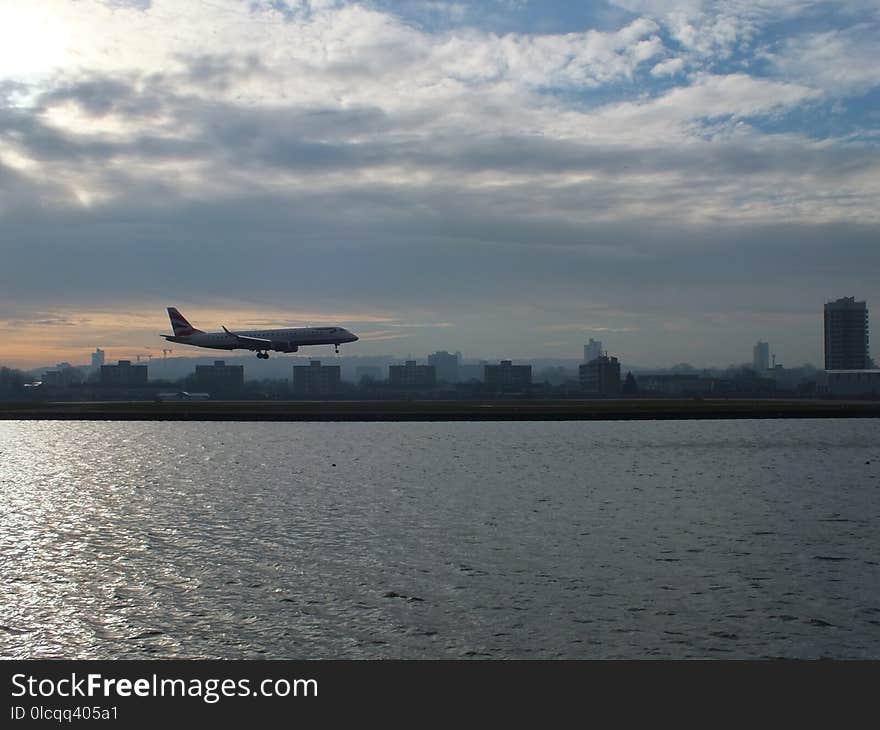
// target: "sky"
[[506, 178]]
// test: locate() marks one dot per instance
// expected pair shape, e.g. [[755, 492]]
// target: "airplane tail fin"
[[181, 327]]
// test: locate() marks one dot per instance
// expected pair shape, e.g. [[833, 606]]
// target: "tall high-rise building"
[[846, 335], [592, 350], [97, 358], [761, 357]]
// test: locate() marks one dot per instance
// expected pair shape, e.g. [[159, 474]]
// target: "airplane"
[[283, 340]]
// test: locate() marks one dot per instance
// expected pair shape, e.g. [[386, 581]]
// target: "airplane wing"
[[250, 341]]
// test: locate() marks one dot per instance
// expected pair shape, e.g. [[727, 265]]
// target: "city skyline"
[[508, 179], [149, 352], [171, 358]]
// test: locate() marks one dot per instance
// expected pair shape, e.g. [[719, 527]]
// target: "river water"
[[668, 539]]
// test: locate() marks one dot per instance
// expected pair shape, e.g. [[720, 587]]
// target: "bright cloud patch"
[[669, 67]]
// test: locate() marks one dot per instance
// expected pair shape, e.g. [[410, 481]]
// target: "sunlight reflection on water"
[[440, 540]]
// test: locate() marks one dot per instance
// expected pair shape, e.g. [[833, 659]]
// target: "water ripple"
[[443, 540]]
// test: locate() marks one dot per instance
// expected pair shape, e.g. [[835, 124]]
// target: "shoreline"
[[495, 410]]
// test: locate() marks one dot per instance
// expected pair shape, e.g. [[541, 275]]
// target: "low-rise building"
[[219, 376], [446, 365], [471, 372], [316, 380], [368, 372], [600, 376], [507, 377], [62, 375], [123, 375], [412, 375], [791, 378], [849, 383], [680, 384]]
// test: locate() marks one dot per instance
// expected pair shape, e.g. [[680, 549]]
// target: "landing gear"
[[337, 348], [263, 355]]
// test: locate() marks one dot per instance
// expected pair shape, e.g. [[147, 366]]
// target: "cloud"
[[584, 327], [234, 151], [669, 67], [686, 114], [334, 160], [840, 61], [420, 325], [572, 59], [709, 34], [44, 319]]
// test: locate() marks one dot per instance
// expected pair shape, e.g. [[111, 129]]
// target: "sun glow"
[[46, 337], [33, 41]]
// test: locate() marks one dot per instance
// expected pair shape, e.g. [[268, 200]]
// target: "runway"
[[441, 410]]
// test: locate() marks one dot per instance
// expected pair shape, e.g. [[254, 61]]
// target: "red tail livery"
[[181, 327]]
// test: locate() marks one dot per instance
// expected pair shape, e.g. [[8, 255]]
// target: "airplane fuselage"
[[261, 341], [277, 340]]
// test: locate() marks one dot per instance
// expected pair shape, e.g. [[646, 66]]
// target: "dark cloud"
[[42, 319], [100, 96], [335, 139], [386, 248], [10, 89], [221, 72]]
